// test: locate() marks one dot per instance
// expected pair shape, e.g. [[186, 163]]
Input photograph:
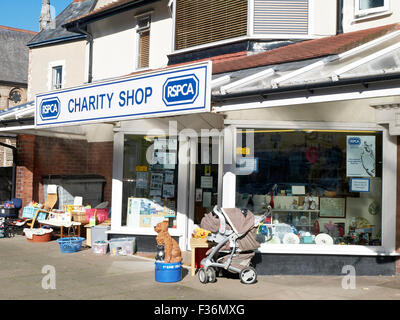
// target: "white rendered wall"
[[115, 41], [353, 23]]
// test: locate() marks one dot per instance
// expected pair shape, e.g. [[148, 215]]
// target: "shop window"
[[364, 7], [149, 181], [143, 29], [325, 186], [56, 80]]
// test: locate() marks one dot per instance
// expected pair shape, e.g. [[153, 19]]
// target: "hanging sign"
[[169, 92]]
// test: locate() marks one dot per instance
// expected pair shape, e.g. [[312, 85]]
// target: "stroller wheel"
[[211, 274], [248, 275], [203, 278]]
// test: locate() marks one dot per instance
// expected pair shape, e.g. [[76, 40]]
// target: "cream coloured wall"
[[72, 55], [342, 111], [115, 41], [322, 17], [353, 23]]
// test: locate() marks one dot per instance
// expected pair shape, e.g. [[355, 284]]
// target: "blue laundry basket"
[[71, 244]]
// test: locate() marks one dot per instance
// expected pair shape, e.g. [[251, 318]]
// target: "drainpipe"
[[339, 17], [89, 38], [14, 169]]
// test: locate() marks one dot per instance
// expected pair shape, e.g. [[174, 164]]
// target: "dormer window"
[[366, 7]]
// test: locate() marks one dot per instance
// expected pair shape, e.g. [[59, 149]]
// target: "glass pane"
[[206, 179], [57, 77], [318, 182], [149, 181], [368, 4]]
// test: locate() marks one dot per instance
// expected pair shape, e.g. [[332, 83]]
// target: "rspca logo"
[[50, 109], [354, 141], [180, 90]]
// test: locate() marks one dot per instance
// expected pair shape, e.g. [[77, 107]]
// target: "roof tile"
[[304, 50]]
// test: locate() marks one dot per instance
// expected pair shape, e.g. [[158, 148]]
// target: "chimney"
[[45, 17]]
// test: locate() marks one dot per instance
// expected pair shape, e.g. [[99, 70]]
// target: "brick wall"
[[41, 156]]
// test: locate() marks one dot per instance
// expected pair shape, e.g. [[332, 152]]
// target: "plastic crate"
[[29, 213], [123, 246], [99, 233], [100, 247]]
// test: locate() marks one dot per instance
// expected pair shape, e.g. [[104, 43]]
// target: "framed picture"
[[332, 207]]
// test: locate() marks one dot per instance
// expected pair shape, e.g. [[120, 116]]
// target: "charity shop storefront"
[[167, 147], [319, 156], [184, 141]]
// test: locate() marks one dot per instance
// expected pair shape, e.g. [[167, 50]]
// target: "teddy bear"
[[172, 252]]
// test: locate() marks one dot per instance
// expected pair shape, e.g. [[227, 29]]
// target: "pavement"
[[26, 271]]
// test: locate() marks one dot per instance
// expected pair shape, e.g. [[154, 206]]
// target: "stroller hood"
[[240, 222], [243, 224]]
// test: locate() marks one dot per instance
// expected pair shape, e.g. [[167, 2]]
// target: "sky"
[[24, 14]]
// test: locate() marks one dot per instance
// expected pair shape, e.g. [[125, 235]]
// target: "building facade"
[[286, 109]]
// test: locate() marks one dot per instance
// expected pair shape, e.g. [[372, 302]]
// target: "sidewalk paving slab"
[[84, 275]]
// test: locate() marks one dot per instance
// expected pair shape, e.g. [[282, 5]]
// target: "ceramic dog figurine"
[[172, 252]]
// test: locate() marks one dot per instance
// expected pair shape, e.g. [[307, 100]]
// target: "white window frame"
[[51, 66], [359, 13], [388, 207], [56, 77], [117, 188]]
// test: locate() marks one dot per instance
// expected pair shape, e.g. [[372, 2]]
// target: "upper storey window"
[[143, 30], [364, 7], [199, 22]]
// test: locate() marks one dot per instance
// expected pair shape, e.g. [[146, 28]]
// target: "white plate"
[[290, 238], [324, 239]]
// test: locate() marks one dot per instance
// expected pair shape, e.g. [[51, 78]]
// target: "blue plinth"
[[168, 272]]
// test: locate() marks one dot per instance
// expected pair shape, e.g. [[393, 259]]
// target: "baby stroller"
[[234, 230]]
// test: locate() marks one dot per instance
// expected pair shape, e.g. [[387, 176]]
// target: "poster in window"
[[156, 181], [360, 156], [168, 191], [141, 180], [169, 177], [206, 182], [133, 212], [332, 207]]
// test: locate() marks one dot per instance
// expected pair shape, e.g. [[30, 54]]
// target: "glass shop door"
[[205, 178]]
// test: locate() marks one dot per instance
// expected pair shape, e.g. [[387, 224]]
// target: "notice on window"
[[206, 182], [360, 185], [206, 199], [168, 191], [141, 180], [360, 156]]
